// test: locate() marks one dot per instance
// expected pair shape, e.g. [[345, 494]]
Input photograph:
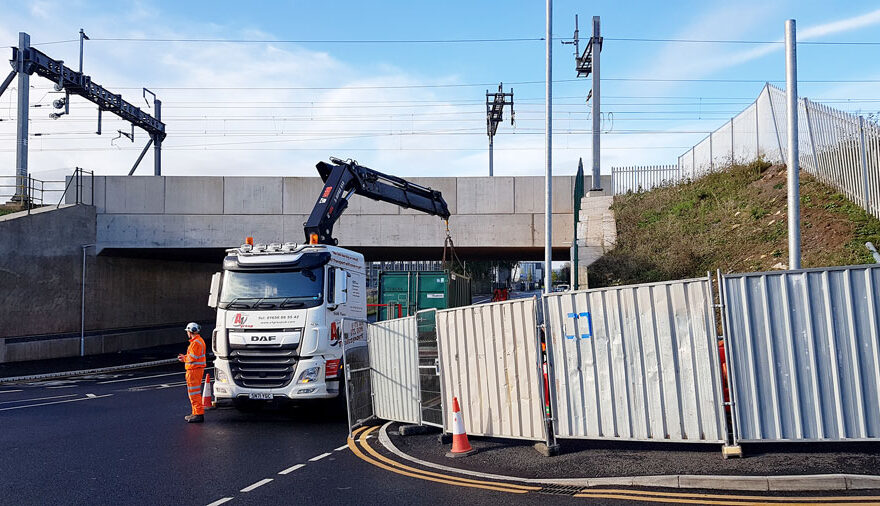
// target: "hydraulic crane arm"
[[343, 179]]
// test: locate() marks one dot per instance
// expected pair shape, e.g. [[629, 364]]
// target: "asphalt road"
[[121, 439]]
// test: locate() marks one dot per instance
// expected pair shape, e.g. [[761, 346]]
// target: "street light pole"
[[791, 99], [548, 176]]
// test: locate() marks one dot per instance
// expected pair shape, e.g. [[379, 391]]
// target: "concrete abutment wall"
[[129, 302]]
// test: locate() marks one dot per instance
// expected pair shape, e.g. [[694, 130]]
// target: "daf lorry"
[[280, 306]]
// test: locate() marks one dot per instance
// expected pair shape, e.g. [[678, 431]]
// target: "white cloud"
[[273, 130]]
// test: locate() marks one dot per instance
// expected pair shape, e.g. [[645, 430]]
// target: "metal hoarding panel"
[[636, 362], [804, 353], [393, 348], [489, 360]]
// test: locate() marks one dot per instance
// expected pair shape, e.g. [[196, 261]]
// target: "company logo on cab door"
[[264, 320]]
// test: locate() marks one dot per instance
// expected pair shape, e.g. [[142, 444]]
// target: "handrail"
[[34, 190]]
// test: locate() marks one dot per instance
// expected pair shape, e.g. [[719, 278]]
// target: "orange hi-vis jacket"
[[195, 354]]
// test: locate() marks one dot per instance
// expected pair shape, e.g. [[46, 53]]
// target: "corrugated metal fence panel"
[[637, 362], [804, 353], [489, 357], [394, 355]]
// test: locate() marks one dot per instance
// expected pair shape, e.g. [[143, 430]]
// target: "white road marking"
[[62, 386], [319, 457], [218, 502], [292, 469], [39, 398], [140, 378], [10, 391], [343, 447], [257, 484], [56, 402], [91, 396], [143, 388]]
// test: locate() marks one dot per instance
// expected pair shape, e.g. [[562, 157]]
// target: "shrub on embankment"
[[733, 220]]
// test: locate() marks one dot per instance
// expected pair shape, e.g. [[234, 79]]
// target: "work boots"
[[194, 418]]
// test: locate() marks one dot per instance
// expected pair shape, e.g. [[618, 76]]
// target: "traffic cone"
[[208, 395], [460, 445]]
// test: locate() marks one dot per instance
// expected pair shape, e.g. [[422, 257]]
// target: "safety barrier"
[[490, 360], [636, 362], [803, 353], [356, 370], [393, 346]]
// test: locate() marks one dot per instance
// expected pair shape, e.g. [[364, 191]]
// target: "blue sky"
[[264, 122]]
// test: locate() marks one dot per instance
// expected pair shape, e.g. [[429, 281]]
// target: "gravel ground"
[[593, 459]]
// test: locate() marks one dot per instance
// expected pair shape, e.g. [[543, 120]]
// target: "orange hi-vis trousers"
[[194, 389]]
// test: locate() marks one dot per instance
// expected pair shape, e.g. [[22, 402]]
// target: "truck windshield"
[[272, 289]]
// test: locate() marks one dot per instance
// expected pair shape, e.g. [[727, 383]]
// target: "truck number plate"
[[260, 395]]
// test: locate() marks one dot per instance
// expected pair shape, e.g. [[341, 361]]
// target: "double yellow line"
[[396, 467], [378, 460]]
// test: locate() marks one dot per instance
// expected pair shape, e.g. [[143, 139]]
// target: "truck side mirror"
[[214, 294], [340, 287]]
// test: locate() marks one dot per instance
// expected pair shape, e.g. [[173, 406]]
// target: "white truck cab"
[[280, 307], [279, 321]]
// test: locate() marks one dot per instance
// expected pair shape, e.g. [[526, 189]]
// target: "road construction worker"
[[194, 361]]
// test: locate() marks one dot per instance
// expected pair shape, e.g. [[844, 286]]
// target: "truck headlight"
[[309, 375], [221, 375]]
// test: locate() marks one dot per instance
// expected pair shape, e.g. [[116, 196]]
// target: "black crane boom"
[[343, 179]]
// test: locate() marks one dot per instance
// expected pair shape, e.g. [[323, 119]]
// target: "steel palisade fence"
[[840, 149]]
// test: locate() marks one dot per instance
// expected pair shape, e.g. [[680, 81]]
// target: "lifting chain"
[[453, 257]]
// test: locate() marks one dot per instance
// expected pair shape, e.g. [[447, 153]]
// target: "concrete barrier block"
[[359, 204], [300, 194], [252, 195], [395, 231], [204, 231], [563, 230], [135, 194], [194, 195], [264, 229], [140, 231], [485, 195], [529, 194], [293, 228]]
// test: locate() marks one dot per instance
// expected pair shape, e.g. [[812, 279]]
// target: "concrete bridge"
[[131, 269], [492, 217]]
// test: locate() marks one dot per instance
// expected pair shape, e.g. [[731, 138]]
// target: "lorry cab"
[[279, 321]]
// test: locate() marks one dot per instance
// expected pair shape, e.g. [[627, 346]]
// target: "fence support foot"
[[414, 430], [444, 438], [547, 451], [460, 454], [728, 451]]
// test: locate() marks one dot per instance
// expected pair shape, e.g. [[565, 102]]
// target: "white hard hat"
[[193, 327]]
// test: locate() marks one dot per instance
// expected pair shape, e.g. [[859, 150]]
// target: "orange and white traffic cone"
[[460, 445], [208, 395]]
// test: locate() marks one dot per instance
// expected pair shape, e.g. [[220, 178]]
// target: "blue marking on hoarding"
[[575, 317]]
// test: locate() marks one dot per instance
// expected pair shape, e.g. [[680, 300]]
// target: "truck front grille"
[[262, 366]]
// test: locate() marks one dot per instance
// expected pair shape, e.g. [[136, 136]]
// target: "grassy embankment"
[[734, 220]]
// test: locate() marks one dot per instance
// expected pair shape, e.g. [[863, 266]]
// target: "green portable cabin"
[[418, 290]]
